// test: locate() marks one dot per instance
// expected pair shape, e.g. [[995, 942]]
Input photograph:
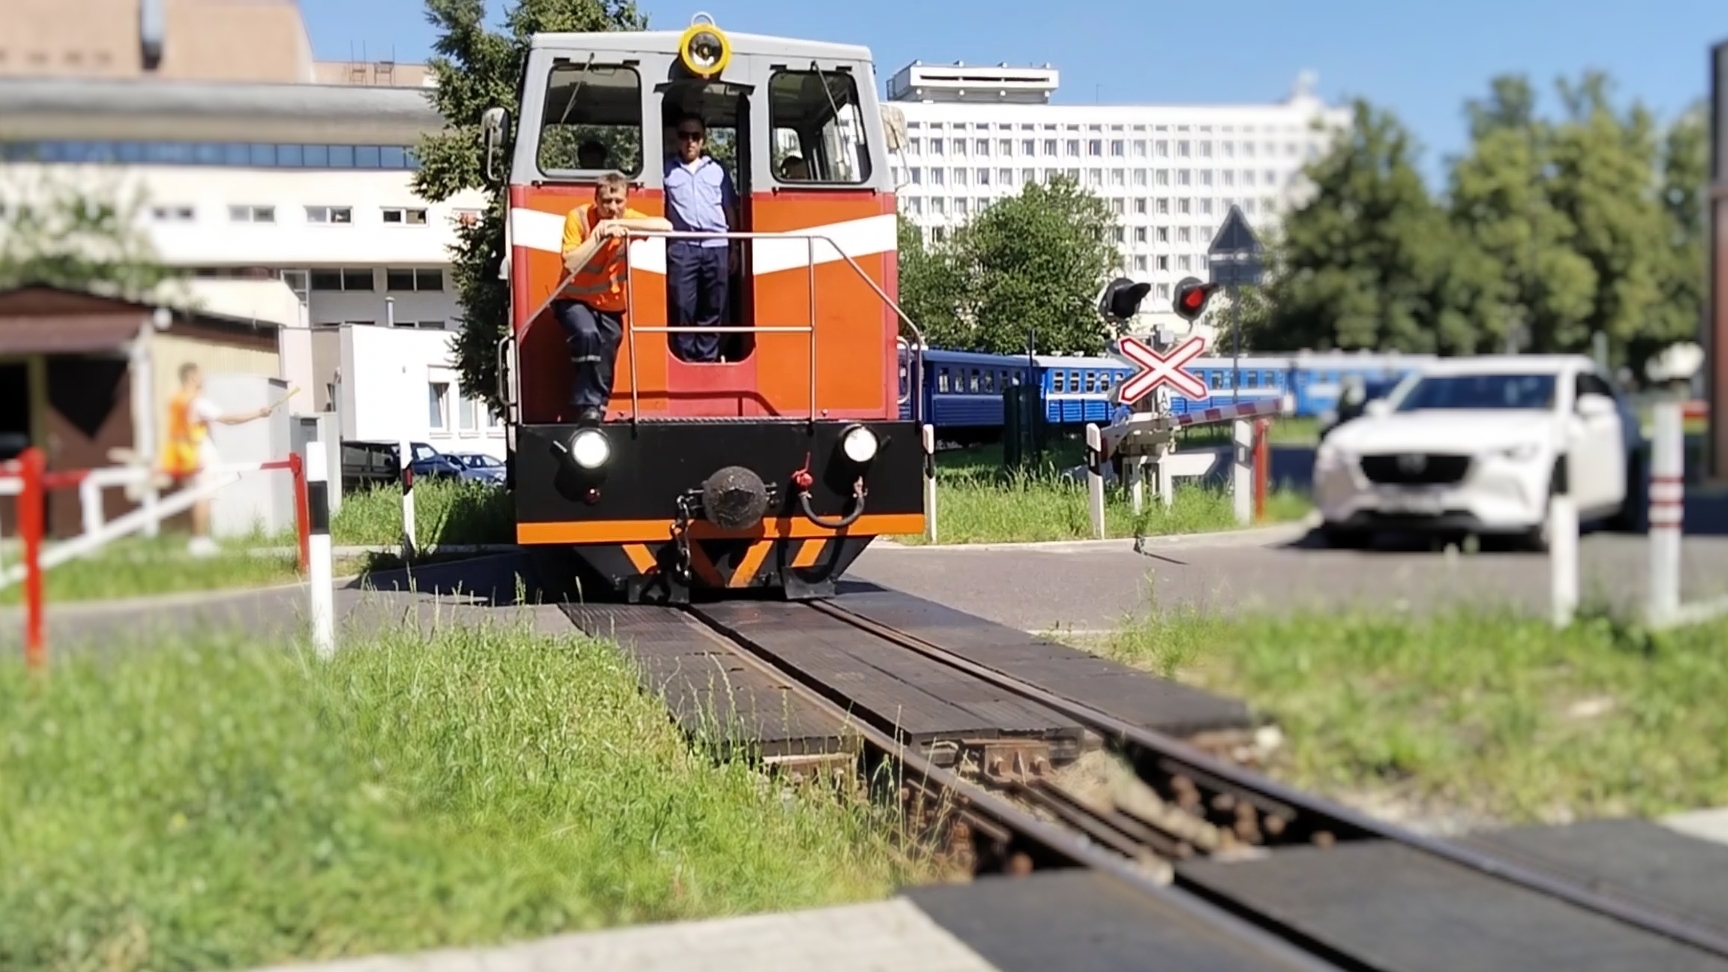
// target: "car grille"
[[1415, 469]]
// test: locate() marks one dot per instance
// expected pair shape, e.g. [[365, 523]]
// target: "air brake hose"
[[858, 493]]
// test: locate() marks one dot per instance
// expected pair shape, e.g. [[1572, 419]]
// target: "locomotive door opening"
[[724, 108]]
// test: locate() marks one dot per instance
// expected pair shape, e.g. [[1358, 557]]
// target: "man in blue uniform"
[[700, 198]]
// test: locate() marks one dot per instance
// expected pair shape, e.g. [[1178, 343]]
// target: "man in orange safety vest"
[[188, 455]]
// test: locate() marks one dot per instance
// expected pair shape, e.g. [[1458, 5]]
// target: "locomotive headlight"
[[704, 50], [590, 449], [859, 444]]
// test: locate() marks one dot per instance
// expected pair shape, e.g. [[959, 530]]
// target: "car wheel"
[[1344, 538]]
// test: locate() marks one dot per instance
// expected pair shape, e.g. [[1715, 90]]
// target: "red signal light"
[[1191, 297]]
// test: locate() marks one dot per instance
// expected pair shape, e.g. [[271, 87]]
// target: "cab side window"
[[818, 129], [593, 120]]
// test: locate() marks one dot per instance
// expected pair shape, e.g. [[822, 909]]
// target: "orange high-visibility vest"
[[180, 450], [600, 284]]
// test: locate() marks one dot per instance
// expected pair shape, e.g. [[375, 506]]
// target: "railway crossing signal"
[[1157, 369], [1191, 297], [1121, 299]]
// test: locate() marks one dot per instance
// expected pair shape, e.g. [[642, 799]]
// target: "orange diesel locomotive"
[[775, 466]]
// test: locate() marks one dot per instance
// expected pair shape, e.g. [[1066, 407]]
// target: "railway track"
[[1012, 805]]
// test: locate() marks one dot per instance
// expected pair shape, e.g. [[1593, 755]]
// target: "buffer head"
[[1191, 297], [1121, 299]]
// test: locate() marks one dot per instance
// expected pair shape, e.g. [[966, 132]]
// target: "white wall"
[[262, 499], [186, 210], [394, 373]]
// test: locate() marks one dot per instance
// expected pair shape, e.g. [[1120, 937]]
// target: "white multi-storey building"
[[281, 185], [976, 134]]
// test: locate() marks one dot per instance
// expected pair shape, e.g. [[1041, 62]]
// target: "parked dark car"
[[370, 463]]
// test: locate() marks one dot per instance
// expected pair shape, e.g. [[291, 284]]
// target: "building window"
[[252, 214], [465, 420], [437, 412], [1139, 234], [398, 216], [1140, 206], [1117, 148], [244, 155], [1140, 264], [329, 214], [1095, 147], [590, 104], [171, 214], [410, 281], [344, 279]]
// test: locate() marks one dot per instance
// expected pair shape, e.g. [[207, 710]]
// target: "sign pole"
[[1236, 342]]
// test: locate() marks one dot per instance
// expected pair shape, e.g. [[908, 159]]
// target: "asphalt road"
[[1089, 585], [1097, 584]]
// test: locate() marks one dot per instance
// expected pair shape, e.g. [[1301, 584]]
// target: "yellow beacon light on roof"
[[703, 49]]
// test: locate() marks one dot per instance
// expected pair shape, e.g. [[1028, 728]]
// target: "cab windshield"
[[1495, 391]]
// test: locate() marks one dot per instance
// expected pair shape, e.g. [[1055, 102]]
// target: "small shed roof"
[[42, 319]]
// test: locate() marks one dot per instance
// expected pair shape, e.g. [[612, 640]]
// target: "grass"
[[444, 513], [978, 502], [220, 804], [1476, 712]]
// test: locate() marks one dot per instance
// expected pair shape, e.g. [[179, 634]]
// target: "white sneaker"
[[202, 547]]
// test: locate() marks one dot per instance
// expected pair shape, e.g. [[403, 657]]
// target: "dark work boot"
[[590, 416]]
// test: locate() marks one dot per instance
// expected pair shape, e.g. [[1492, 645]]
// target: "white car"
[[1472, 445]]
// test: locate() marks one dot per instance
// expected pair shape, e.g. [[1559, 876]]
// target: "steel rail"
[[1054, 841], [1200, 763]]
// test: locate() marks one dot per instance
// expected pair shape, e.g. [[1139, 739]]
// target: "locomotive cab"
[[776, 464]]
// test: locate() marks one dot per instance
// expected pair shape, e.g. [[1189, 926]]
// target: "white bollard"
[[1667, 509], [318, 530], [1095, 478], [928, 435], [1242, 473], [407, 472], [1135, 467], [1563, 553]]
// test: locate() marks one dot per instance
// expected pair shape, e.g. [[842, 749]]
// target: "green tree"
[[930, 289], [1371, 260], [1684, 260], [1032, 265], [478, 68], [78, 237]]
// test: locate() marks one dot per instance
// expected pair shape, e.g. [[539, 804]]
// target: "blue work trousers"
[[592, 336], [697, 277]]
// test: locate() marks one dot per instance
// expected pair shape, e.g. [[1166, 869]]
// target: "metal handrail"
[[630, 300], [810, 265], [810, 262]]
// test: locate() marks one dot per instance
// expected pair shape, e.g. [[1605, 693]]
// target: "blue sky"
[[1421, 59]]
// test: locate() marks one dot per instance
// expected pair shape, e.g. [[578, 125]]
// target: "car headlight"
[[1521, 452], [859, 444], [590, 449]]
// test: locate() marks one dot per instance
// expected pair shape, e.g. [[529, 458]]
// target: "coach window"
[[818, 128], [592, 121]]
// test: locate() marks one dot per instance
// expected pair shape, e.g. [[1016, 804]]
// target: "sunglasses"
[[688, 135]]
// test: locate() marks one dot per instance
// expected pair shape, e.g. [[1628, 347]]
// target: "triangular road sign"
[[1235, 237]]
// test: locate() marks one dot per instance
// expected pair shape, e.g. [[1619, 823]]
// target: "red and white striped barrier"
[[28, 478], [1257, 408]]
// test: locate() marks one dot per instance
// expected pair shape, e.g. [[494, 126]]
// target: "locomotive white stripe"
[[854, 237]]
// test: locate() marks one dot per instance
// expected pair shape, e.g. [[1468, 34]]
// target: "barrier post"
[[1667, 508], [1262, 466], [928, 435], [318, 548], [1242, 478], [1095, 478], [1563, 546], [407, 464], [302, 524], [32, 510]]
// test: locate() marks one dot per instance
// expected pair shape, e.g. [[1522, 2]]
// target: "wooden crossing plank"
[[1405, 911], [1134, 696], [924, 699], [711, 692]]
